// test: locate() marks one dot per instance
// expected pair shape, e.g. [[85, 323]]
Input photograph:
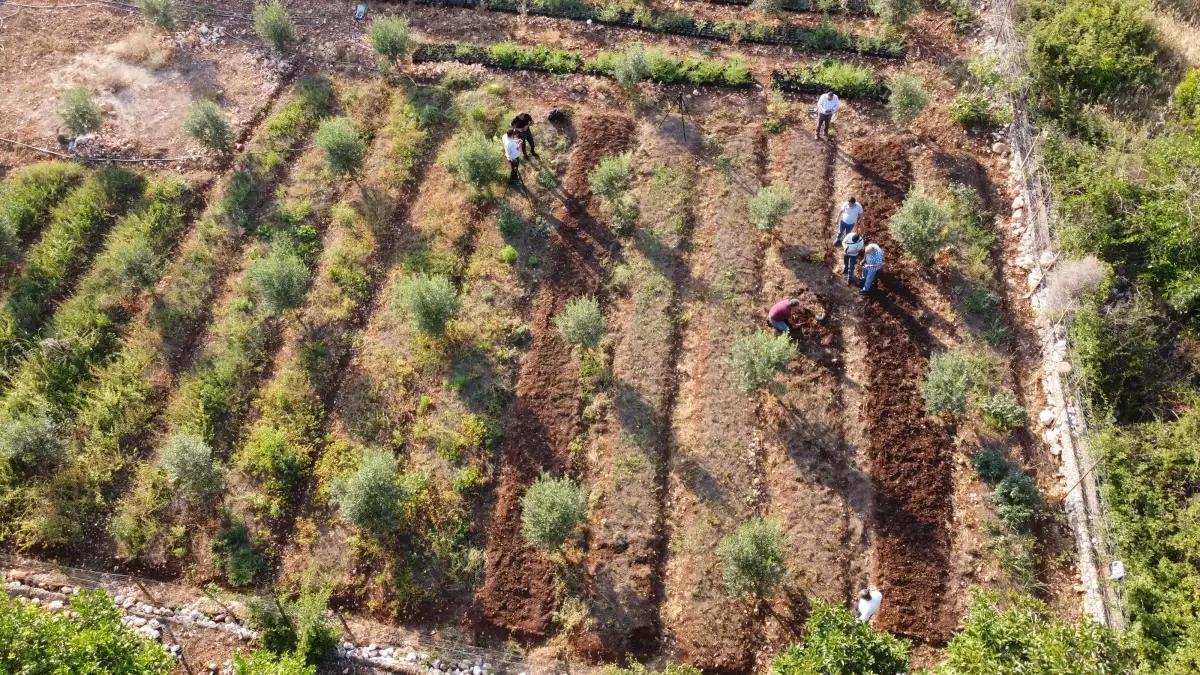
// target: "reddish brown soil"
[[910, 457], [518, 593]]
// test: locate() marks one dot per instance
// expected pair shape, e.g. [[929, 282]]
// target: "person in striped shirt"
[[872, 263]]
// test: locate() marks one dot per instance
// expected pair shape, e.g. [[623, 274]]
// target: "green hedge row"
[[85, 331], [846, 79], [26, 199], [63, 251]]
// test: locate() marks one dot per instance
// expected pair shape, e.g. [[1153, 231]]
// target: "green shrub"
[[27, 197], [757, 358], [345, 148], [263, 662], [274, 25], [752, 559], [979, 300], [159, 13], [951, 377], [1016, 500], [430, 301], [635, 668], [1117, 349], [206, 124], [236, 555], [907, 99], [736, 72], [611, 177], [991, 463], [631, 66], [1092, 50], [768, 206], [315, 96], [269, 457], [79, 111], [768, 6], [29, 441], [1002, 411], [847, 79], [1186, 101], [302, 630], [390, 39], [372, 497], [968, 109], [581, 323], [895, 12], [135, 263], [1015, 634], [509, 222], [281, 280], [91, 638], [551, 511], [919, 226], [477, 161], [189, 462], [835, 643], [508, 255], [135, 523]]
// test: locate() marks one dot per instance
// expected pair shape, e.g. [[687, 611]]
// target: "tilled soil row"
[[518, 592], [909, 456], [715, 465], [811, 486], [627, 454]]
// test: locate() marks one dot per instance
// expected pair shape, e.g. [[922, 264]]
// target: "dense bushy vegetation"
[[299, 629], [835, 643], [91, 638], [26, 200], [848, 80]]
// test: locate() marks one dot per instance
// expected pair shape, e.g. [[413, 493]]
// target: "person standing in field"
[[780, 315], [872, 264], [827, 104], [512, 152], [868, 603], [847, 219], [523, 123], [851, 248]]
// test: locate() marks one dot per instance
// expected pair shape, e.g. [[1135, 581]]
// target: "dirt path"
[[715, 466], [629, 447], [811, 481], [909, 456], [518, 593]]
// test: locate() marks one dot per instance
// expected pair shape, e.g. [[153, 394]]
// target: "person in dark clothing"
[[523, 124]]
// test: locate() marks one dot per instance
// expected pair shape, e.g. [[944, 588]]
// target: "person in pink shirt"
[[780, 316]]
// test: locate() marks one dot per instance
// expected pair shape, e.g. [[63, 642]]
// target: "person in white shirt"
[[826, 106], [868, 603], [851, 248], [847, 218], [512, 152]]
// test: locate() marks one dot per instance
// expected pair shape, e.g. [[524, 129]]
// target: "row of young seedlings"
[[825, 38], [103, 409]]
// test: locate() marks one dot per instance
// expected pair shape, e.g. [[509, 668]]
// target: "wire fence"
[[1024, 140]]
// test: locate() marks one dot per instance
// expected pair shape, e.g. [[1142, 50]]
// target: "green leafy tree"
[[430, 301], [371, 497], [274, 25], [951, 377], [919, 226], [907, 99], [1015, 635], [189, 462], [281, 279], [299, 628], [90, 639], [206, 124], [263, 662], [1186, 101], [895, 13], [835, 643], [581, 324], [390, 39], [551, 512], [753, 561], [768, 206], [159, 13], [345, 149], [79, 111], [477, 161], [758, 357]]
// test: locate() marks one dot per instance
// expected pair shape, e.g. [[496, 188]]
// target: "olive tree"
[[206, 124], [274, 25], [757, 358], [370, 498], [430, 301], [345, 148], [581, 323], [919, 225], [79, 111], [189, 462], [551, 511], [390, 39], [281, 279], [752, 558], [907, 99], [768, 206]]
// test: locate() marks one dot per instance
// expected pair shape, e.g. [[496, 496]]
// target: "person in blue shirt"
[[872, 263]]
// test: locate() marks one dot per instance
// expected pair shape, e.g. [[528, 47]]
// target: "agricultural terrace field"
[[265, 369]]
